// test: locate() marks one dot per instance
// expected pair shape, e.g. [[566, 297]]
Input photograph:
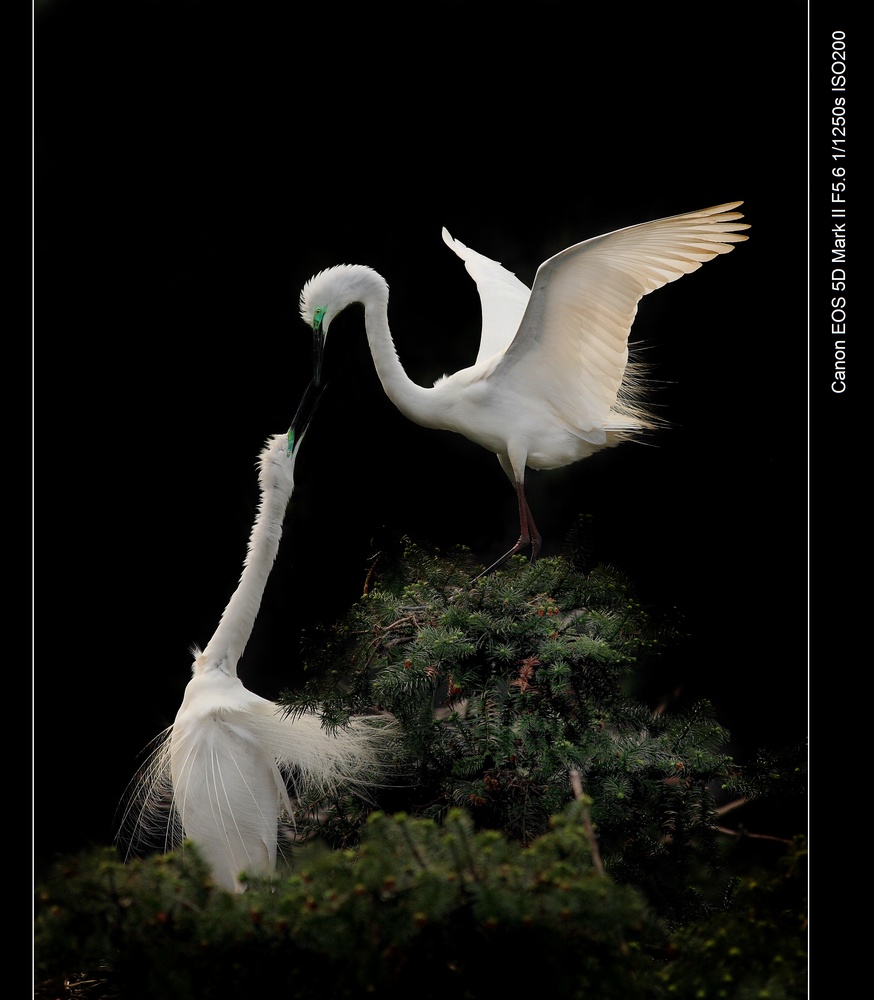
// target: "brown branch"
[[663, 707], [731, 805], [577, 786], [752, 836], [736, 804]]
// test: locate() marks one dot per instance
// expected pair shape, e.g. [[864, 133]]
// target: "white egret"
[[552, 382], [220, 774]]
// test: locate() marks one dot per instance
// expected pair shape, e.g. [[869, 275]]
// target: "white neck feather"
[[276, 478], [416, 402]]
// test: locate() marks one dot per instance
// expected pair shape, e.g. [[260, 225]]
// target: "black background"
[[196, 162]]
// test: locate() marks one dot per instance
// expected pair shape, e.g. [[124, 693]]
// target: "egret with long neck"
[[220, 775], [552, 382]]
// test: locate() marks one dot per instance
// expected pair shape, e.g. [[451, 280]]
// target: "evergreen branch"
[[577, 785]]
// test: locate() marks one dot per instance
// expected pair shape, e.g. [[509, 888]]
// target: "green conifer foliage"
[[419, 909], [540, 823], [510, 686]]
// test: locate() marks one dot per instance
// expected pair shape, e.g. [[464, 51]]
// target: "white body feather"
[[220, 774], [552, 383]]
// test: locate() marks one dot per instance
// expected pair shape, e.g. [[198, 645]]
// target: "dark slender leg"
[[527, 520], [528, 534]]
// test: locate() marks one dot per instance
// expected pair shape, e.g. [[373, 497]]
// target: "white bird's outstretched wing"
[[503, 298], [572, 341]]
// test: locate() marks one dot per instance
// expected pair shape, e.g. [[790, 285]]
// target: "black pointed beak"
[[318, 352], [305, 410]]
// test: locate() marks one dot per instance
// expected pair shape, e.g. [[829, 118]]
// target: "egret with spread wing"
[[552, 382], [220, 775]]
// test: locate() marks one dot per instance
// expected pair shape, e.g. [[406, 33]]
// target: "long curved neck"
[[416, 402], [276, 478]]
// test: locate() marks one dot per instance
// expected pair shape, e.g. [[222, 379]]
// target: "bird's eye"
[[318, 316]]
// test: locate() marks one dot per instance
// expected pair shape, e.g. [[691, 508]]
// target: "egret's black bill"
[[305, 410], [318, 352]]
